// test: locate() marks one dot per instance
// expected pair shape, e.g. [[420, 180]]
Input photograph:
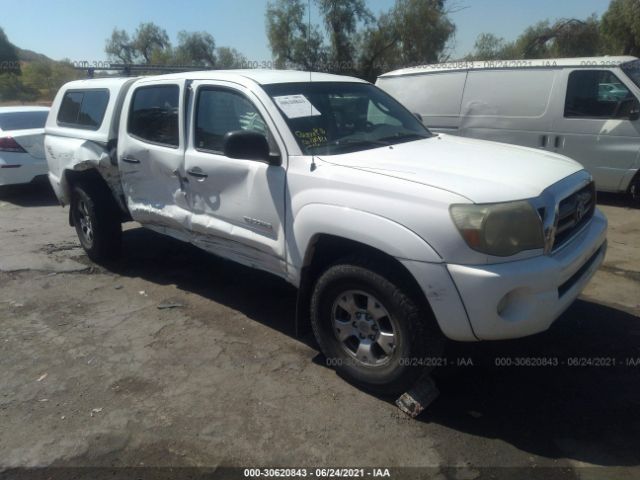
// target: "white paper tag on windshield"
[[296, 106]]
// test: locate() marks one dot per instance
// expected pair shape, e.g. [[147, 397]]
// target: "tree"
[[424, 29], [120, 47], [341, 18], [195, 48], [564, 38], [229, 58], [148, 41], [488, 47], [620, 27], [148, 38], [413, 32], [150, 45], [576, 38], [294, 43]]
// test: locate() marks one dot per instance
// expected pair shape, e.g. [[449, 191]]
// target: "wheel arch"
[[324, 233], [86, 172], [326, 249]]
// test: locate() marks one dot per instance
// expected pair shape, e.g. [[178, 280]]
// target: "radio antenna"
[[309, 36]]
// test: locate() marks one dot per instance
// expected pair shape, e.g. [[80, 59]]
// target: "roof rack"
[[128, 69]]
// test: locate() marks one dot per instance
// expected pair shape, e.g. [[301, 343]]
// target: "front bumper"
[[520, 298]]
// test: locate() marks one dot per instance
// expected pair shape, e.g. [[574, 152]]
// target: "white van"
[[585, 108]]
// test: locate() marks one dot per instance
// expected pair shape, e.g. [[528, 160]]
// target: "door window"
[[220, 111], [598, 94], [154, 115]]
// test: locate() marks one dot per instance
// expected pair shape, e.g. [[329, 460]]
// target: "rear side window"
[[597, 94], [154, 115], [83, 108], [22, 120]]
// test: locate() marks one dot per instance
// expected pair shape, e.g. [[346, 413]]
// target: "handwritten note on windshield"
[[296, 106]]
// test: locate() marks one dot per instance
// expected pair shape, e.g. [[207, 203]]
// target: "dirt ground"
[[173, 357]]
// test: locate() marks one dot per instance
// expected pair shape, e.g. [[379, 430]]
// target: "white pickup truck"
[[396, 238]]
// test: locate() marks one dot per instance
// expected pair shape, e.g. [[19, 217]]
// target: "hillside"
[[25, 55]]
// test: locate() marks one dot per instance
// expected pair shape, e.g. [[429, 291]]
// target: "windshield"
[[331, 118], [632, 69]]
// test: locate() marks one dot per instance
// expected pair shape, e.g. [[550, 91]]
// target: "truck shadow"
[[163, 260], [35, 194], [616, 200], [570, 410], [586, 408]]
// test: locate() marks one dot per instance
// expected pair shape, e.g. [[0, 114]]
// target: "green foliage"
[[423, 29], [8, 56], [195, 48], [12, 88], [489, 47], [341, 19], [564, 38], [148, 39], [620, 27], [120, 47], [39, 78], [412, 32], [230, 58], [150, 45], [294, 43]]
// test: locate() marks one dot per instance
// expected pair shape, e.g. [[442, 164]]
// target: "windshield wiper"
[[352, 142], [403, 136]]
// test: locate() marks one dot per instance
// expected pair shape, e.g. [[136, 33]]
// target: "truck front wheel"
[[97, 221], [371, 330]]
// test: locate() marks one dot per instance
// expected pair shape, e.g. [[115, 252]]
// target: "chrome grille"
[[574, 212]]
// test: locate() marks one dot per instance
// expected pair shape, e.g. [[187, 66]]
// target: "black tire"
[[417, 337], [96, 218]]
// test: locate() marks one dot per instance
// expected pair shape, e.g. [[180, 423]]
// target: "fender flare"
[[364, 227]]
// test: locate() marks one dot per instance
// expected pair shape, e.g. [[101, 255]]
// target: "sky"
[[78, 29]]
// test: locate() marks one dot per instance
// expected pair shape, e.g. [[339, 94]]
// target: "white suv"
[[395, 237]]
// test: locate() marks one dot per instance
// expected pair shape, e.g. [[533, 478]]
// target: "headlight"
[[499, 229]]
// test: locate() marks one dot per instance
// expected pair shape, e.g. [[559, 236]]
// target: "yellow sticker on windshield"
[[312, 138]]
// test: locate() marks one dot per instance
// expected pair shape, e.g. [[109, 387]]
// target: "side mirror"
[[418, 116], [248, 145]]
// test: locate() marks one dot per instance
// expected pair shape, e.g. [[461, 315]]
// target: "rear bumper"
[[15, 172], [521, 298]]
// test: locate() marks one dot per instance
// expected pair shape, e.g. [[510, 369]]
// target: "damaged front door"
[[151, 156], [237, 205]]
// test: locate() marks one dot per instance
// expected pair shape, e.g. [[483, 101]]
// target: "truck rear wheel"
[[97, 221], [370, 329]]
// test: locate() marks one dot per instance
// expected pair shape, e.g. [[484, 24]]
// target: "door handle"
[[197, 172], [556, 142], [130, 159], [543, 141]]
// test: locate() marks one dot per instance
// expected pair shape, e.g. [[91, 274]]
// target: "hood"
[[479, 170]]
